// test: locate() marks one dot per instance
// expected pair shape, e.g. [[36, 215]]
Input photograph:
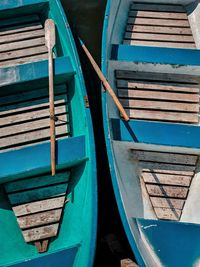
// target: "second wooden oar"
[[50, 38], [105, 82]]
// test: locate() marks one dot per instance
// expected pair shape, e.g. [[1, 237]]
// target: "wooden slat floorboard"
[[21, 28], [160, 202], [158, 22], [168, 214], [157, 14], [39, 233], [167, 191]]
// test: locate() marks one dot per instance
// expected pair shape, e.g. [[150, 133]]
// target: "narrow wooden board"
[[171, 203], [21, 28], [159, 105], [158, 7], [38, 181], [167, 191], [159, 22], [158, 29], [160, 44], [22, 44], [38, 194], [19, 20], [159, 37], [22, 36], [163, 116], [166, 179], [171, 96], [39, 219], [39, 233], [158, 86], [165, 157], [39, 206], [157, 14], [151, 169], [156, 76], [168, 214]]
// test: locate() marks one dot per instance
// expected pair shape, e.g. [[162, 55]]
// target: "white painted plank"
[[167, 191], [168, 214], [39, 206], [158, 7], [40, 232], [159, 22], [38, 219], [21, 28], [171, 203], [157, 14]]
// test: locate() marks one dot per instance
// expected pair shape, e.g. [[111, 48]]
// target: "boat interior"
[[38, 208]]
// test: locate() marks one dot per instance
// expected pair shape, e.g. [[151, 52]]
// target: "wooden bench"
[[166, 178], [163, 25], [22, 40], [38, 204], [159, 96]]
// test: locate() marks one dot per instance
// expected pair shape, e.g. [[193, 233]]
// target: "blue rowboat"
[[151, 58], [44, 220]]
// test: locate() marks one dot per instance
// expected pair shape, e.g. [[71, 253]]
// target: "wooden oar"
[[50, 38], [105, 82]]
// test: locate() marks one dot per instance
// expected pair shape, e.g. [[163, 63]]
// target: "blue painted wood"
[[156, 133], [6, 5], [59, 258], [175, 243], [160, 55], [35, 160]]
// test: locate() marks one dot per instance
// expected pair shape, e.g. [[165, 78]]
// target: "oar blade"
[[50, 34]]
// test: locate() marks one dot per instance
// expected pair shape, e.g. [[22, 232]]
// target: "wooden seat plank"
[[31, 183], [166, 179], [157, 86], [159, 105], [157, 7], [179, 97], [167, 191], [158, 22], [172, 203], [158, 29], [157, 14], [21, 28], [38, 194], [39, 233], [155, 115], [168, 214], [164, 157], [159, 37], [39, 206], [19, 20], [38, 219], [22, 36], [167, 168]]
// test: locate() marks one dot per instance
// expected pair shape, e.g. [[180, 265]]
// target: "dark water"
[[86, 20]]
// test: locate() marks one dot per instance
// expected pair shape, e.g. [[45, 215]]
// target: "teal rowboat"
[[151, 58], [45, 220]]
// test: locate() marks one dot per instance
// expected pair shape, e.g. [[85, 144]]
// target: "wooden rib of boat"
[[45, 220], [151, 58]]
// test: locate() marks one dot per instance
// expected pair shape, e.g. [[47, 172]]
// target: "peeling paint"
[[149, 226]]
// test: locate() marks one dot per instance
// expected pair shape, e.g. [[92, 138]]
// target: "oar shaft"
[[105, 83]]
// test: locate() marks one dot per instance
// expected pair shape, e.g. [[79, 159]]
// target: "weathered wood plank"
[[39, 233], [163, 115], [159, 37], [24, 60], [147, 94], [158, 29], [39, 219], [157, 14], [23, 53], [167, 191], [158, 7], [157, 86], [22, 36], [21, 28], [39, 206], [165, 157], [168, 214], [171, 203], [19, 20], [160, 44], [157, 170], [159, 105], [42, 246], [156, 76], [166, 179], [173, 168], [22, 44], [30, 183], [159, 22], [38, 194], [32, 137]]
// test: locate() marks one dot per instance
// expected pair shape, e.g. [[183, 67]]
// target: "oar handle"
[[105, 83]]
